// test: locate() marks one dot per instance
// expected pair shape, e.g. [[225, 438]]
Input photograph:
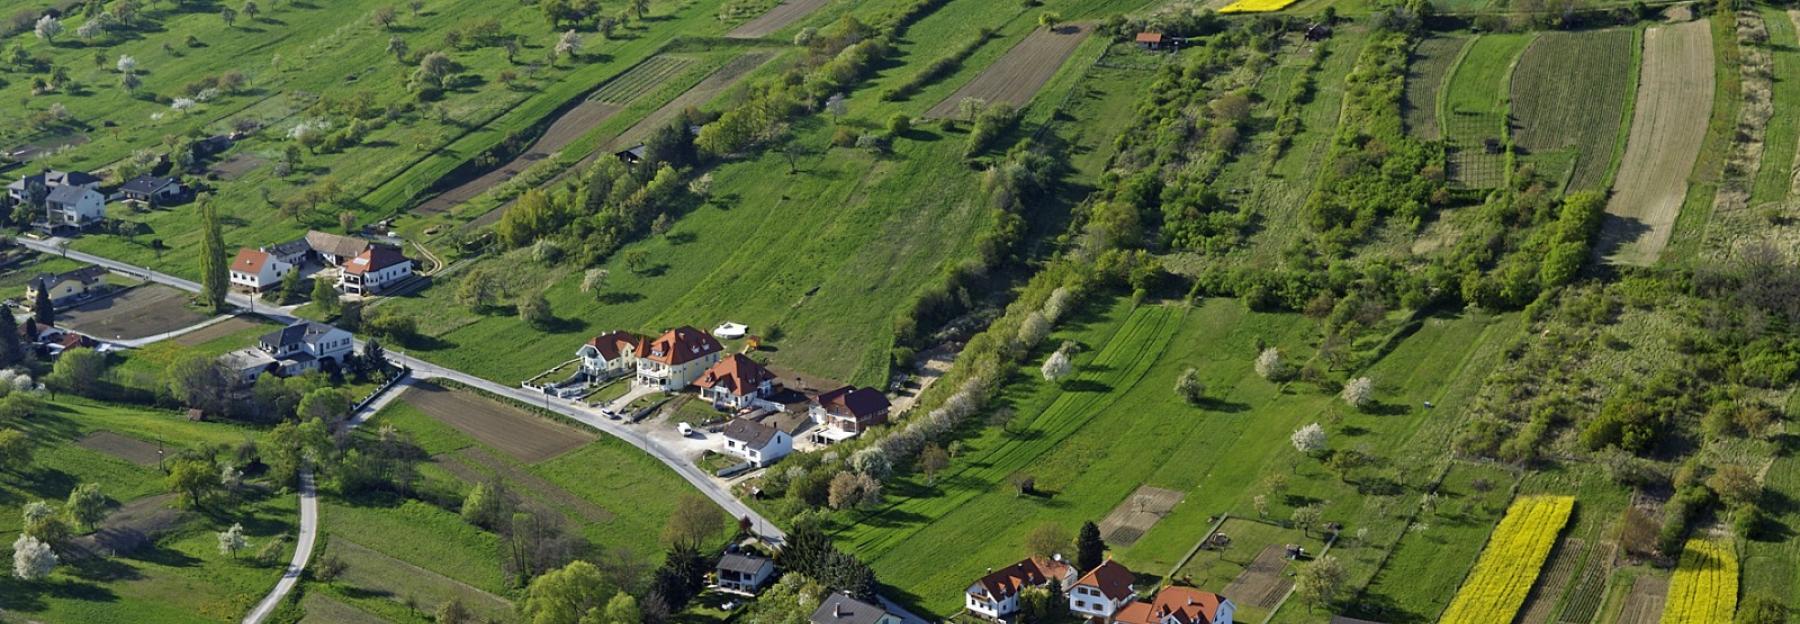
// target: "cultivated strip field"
[[1644, 605], [1555, 579], [1511, 562], [143, 311], [525, 437], [776, 19], [127, 448], [640, 79], [1262, 585], [1134, 517], [1018, 75], [1568, 95], [1432, 60], [1675, 93], [215, 331]]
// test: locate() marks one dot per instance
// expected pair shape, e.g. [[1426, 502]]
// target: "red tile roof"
[[736, 373], [1186, 604], [375, 258], [612, 343], [1032, 572], [682, 345], [860, 404], [1149, 37], [1113, 580], [249, 261]]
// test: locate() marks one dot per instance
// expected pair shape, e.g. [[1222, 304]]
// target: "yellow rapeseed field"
[[1705, 587], [1509, 564], [1256, 6]]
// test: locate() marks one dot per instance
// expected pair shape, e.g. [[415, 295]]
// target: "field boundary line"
[[1196, 549]]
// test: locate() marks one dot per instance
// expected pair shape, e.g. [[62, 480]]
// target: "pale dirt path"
[[1674, 99], [776, 19]]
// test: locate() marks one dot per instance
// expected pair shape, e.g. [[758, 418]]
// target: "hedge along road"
[[426, 370]]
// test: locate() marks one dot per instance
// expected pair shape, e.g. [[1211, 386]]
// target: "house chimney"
[[837, 610]]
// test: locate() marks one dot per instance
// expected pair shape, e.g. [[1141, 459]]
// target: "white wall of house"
[[90, 208], [1088, 600], [975, 601], [671, 378], [374, 281], [273, 271], [777, 448], [597, 365]]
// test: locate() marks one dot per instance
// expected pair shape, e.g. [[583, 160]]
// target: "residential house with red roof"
[[846, 412], [375, 269], [996, 596], [737, 382], [1103, 592], [1179, 605], [677, 358], [256, 271], [611, 354]]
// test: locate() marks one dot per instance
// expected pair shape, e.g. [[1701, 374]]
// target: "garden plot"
[[1644, 605], [321, 609], [215, 331], [1590, 589], [1018, 75], [1134, 517], [1568, 100], [777, 18], [1261, 584], [714, 84], [1674, 93], [1554, 581], [235, 167], [140, 312], [127, 448], [525, 437], [131, 527], [640, 79]]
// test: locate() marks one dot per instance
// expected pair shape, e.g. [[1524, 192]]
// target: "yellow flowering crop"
[[1705, 587], [1256, 6], [1510, 563]]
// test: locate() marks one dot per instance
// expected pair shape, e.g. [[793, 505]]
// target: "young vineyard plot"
[[1568, 100], [1705, 587], [1675, 92], [1496, 588]]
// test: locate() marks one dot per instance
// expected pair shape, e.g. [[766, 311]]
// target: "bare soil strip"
[[1018, 75], [1674, 97], [776, 19], [525, 437], [1137, 513], [127, 448], [132, 526], [142, 311], [216, 331], [473, 464], [1261, 583], [1645, 603], [1551, 584]]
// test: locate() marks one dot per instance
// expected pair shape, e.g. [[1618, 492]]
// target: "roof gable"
[[250, 261], [1113, 580], [751, 433], [736, 373], [682, 345]]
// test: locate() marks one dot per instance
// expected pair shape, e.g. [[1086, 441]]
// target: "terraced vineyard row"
[[640, 80]]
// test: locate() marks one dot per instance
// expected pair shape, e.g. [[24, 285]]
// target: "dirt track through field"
[[1674, 99], [1644, 605], [526, 437], [127, 448], [1261, 584], [1018, 75], [776, 19], [143, 311]]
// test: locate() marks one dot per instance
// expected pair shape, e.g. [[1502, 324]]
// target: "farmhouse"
[[50, 180], [76, 206], [1179, 605], [845, 609], [676, 358], [65, 287], [257, 271], [611, 354], [292, 252], [757, 443], [153, 190], [737, 382], [334, 249], [996, 596], [1103, 591], [291, 350], [373, 270], [744, 573], [845, 412]]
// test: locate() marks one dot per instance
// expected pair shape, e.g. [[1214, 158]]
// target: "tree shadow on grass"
[[1085, 385], [617, 297]]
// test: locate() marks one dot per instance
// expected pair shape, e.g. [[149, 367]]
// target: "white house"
[[737, 382], [291, 350], [611, 354], [744, 573], [373, 270], [334, 249], [1179, 605], [996, 596], [64, 287], [74, 206], [151, 189], [846, 609], [257, 271], [676, 358], [51, 180], [845, 412], [1103, 591], [757, 443]]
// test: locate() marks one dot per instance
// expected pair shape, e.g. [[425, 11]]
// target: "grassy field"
[[1087, 458], [1569, 99], [1687, 235], [1474, 114], [182, 578], [1774, 180]]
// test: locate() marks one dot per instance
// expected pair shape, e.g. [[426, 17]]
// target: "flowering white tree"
[[569, 45], [1056, 366], [91, 28], [1309, 439], [127, 64], [1270, 365], [182, 105], [1359, 393], [1033, 330], [32, 558], [1058, 304], [48, 28], [231, 541], [872, 461]]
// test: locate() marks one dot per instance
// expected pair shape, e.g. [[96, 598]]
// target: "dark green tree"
[[11, 352], [43, 310], [214, 279], [1090, 550]]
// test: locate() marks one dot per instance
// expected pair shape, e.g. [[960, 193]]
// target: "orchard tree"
[[397, 47], [932, 460], [1309, 440], [566, 595], [1319, 582], [1189, 387], [1056, 367], [1307, 517], [1270, 365], [231, 541], [15, 451], [1048, 540], [33, 560], [229, 15], [48, 28], [696, 519], [569, 45], [250, 10], [86, 506], [1359, 393]]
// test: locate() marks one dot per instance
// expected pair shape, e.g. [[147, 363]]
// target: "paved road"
[[422, 369]]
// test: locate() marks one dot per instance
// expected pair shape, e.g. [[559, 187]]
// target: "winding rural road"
[[426, 370]]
